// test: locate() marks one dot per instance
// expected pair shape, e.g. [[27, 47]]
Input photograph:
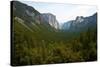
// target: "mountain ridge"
[[30, 16], [80, 22]]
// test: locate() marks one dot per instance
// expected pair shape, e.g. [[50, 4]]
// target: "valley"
[[37, 38]]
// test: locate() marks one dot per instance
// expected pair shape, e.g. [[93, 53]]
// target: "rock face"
[[49, 18], [79, 19], [66, 25], [32, 18], [81, 23]]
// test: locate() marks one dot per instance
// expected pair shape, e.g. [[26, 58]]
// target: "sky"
[[63, 12]]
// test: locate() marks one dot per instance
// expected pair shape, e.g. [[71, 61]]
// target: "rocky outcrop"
[[81, 23], [32, 18], [49, 18]]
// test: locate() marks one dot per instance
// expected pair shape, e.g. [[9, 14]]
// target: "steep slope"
[[81, 23], [23, 11], [49, 18], [66, 25], [30, 17]]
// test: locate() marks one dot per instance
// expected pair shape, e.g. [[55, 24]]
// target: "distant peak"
[[79, 19]]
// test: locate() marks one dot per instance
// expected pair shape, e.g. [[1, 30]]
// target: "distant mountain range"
[[32, 19], [81, 23]]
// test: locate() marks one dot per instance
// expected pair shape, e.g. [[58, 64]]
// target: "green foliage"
[[44, 47]]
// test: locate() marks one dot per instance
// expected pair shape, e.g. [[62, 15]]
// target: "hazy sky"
[[63, 12]]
